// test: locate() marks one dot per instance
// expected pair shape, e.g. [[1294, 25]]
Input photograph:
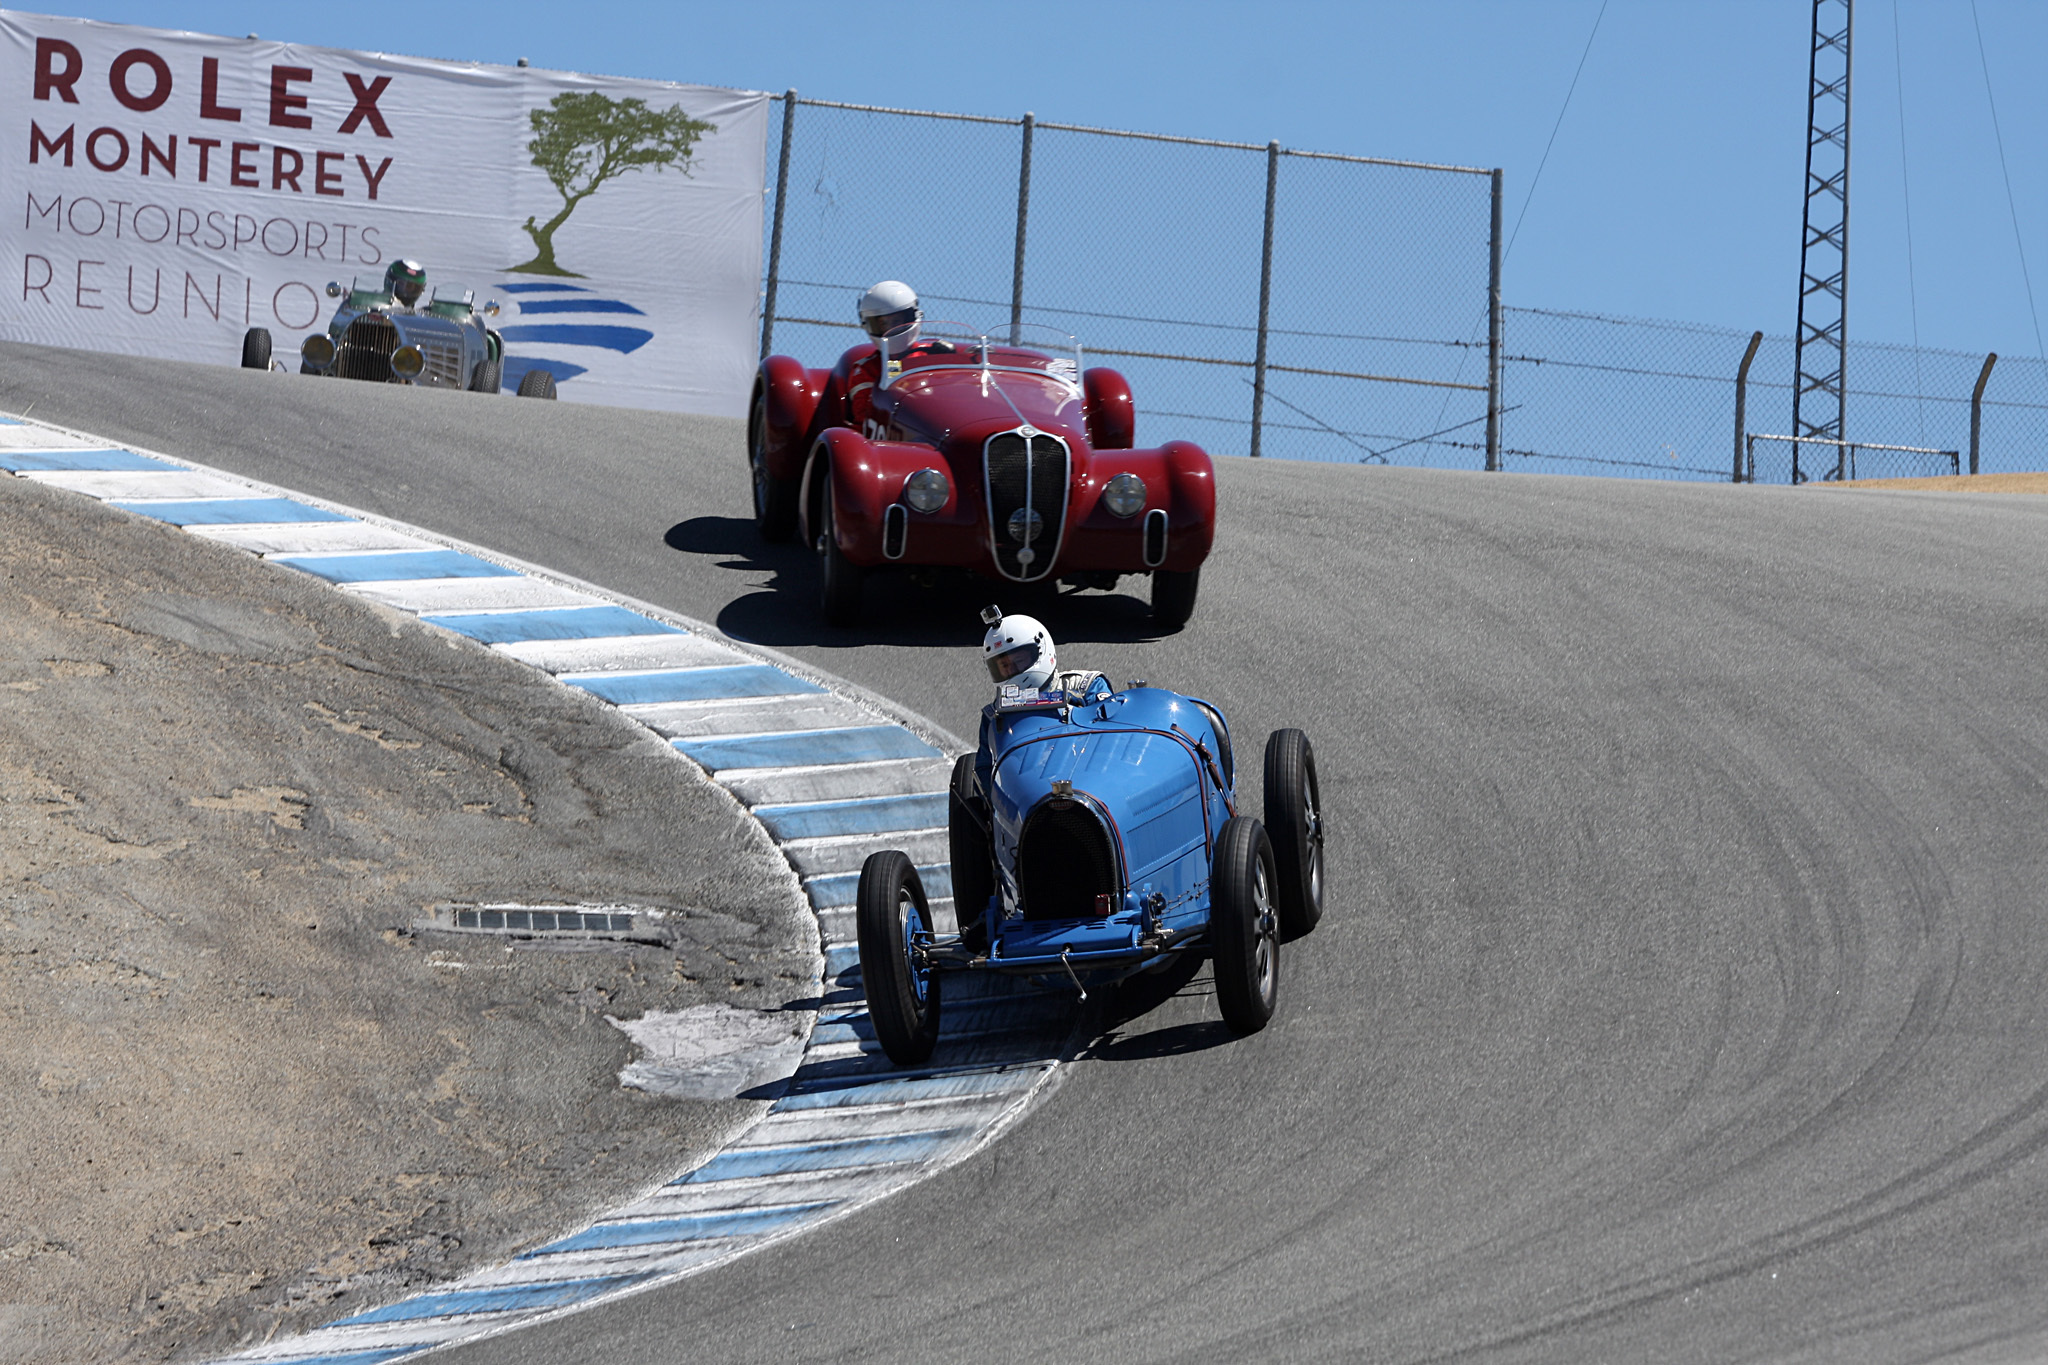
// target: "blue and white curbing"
[[830, 772]]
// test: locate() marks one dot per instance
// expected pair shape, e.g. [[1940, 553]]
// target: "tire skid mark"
[[829, 771]]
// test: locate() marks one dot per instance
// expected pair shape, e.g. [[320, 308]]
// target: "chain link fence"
[[1261, 300], [1583, 393], [1269, 301]]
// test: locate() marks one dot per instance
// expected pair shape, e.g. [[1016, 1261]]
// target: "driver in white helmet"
[[1024, 663], [1020, 655], [888, 309]]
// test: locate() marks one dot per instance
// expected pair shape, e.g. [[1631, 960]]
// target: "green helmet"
[[406, 281]]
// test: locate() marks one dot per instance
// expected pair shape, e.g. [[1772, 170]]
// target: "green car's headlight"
[[1124, 495], [318, 351], [407, 362]]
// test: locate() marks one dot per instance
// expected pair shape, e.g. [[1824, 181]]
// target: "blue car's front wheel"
[[894, 922]]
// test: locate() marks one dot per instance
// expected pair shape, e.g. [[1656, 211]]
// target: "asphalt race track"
[[1679, 998]]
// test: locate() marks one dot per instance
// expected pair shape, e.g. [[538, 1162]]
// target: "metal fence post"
[[775, 240], [1265, 297], [1742, 399], [1493, 333], [1977, 406], [1023, 212]]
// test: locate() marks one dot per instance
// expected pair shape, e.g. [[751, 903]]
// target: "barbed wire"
[[1171, 299]]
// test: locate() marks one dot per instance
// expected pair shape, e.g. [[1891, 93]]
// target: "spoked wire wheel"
[[894, 923], [1244, 925], [1294, 819]]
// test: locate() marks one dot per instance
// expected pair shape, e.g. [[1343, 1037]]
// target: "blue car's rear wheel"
[[974, 877], [895, 928], [1294, 820], [1244, 925]]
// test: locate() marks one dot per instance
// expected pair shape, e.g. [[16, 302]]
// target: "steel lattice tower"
[[1822, 345]]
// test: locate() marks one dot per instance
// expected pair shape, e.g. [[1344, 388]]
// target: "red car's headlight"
[[926, 490], [1124, 495]]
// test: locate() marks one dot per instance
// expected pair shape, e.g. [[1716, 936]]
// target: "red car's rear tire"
[[774, 499]]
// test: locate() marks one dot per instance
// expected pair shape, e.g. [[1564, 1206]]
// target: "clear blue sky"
[[1673, 189]]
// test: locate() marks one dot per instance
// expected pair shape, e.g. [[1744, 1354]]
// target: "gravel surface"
[[244, 1093]]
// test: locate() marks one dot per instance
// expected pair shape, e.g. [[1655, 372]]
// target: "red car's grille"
[[1065, 865], [365, 350], [1027, 480]]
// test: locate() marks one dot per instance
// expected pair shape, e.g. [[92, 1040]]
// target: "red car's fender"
[[1112, 417], [863, 478], [785, 400], [1191, 519], [1179, 482]]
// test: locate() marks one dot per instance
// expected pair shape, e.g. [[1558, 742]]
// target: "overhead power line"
[[2011, 207], [1561, 110]]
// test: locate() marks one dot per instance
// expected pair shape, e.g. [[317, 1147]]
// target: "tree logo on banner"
[[583, 139]]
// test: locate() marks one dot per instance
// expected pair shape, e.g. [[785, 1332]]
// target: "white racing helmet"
[[889, 307], [1018, 649]]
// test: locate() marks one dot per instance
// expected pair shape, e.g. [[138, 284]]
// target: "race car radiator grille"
[[365, 350], [1026, 473], [1065, 864], [444, 365]]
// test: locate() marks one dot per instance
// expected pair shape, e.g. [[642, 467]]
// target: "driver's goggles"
[[882, 324], [1008, 664]]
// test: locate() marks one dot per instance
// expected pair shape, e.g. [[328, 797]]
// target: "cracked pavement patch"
[[245, 1096]]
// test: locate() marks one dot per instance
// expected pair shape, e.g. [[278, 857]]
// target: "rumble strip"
[[831, 773]]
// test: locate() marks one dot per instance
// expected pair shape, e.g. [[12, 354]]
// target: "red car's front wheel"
[[839, 579], [1173, 597]]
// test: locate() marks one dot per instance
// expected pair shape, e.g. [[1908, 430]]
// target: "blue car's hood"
[[1131, 757]]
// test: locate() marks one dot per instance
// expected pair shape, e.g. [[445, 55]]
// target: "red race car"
[[936, 446]]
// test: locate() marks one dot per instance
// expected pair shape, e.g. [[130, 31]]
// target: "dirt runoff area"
[[2028, 481], [242, 1093]]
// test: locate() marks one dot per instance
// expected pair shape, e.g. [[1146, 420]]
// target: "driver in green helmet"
[[406, 281]]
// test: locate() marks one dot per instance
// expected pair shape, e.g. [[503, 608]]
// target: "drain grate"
[[633, 923]]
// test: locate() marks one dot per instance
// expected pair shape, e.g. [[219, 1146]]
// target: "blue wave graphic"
[[517, 366], [567, 301], [579, 306], [621, 339]]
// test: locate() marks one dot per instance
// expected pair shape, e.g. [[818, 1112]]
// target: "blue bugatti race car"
[[1094, 835]]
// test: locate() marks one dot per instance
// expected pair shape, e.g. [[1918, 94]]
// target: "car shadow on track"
[[1120, 1034], [897, 611]]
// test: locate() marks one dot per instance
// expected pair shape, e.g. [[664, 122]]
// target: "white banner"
[[168, 191]]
